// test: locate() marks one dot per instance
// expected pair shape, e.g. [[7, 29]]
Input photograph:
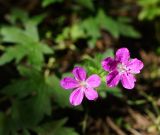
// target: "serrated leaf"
[[16, 52], [116, 28], [31, 31], [46, 49], [149, 9], [108, 23], [29, 72], [32, 99], [35, 57], [27, 44], [91, 27], [128, 31], [14, 35], [91, 30], [28, 113]]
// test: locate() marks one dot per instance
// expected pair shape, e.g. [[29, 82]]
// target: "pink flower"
[[122, 68], [81, 85]]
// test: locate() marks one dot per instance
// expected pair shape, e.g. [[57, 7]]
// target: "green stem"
[[101, 73]]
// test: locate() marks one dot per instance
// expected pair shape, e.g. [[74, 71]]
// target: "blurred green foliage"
[[35, 95], [46, 3], [26, 42], [31, 94], [90, 28], [55, 128], [150, 9]]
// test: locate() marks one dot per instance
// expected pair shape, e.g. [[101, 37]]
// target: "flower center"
[[122, 68], [83, 83]]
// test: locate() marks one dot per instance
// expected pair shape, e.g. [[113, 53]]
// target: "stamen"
[[122, 68], [83, 83]]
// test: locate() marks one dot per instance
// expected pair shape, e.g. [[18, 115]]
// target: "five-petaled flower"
[[81, 85], [122, 68]]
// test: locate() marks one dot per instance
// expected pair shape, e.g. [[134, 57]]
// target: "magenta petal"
[[128, 81], [69, 83], [109, 64], [91, 94], [135, 66], [113, 78], [93, 81], [122, 55], [76, 97], [79, 73]]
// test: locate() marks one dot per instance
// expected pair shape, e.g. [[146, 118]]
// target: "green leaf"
[[73, 32], [16, 52], [14, 35], [91, 27], [20, 88], [148, 2], [61, 96], [108, 23], [31, 31], [149, 9], [27, 45], [55, 128], [35, 57], [50, 126], [46, 3], [76, 32], [128, 31], [64, 35], [46, 49], [115, 91], [91, 63], [87, 3], [116, 28], [32, 101], [28, 113], [149, 13], [17, 15], [29, 72], [32, 83], [31, 26]]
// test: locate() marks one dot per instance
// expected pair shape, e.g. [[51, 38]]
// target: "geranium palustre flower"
[[81, 85], [122, 68]]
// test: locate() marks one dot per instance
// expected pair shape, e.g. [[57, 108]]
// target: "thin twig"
[[114, 126], [134, 132]]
